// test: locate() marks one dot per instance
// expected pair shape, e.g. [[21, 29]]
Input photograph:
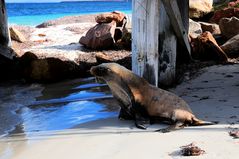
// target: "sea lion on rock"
[[144, 101]]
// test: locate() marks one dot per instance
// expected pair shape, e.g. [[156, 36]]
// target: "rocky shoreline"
[[51, 51]]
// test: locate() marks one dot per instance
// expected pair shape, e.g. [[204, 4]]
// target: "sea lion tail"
[[198, 122]]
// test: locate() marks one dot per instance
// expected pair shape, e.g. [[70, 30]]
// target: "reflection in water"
[[62, 116], [63, 105]]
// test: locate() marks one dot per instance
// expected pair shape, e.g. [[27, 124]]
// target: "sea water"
[[36, 13]]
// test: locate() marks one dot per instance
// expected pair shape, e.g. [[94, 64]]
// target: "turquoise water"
[[36, 13]]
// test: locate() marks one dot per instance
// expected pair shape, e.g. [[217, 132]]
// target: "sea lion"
[[146, 100]]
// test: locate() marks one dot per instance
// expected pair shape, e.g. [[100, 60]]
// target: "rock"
[[199, 8], [229, 27], [231, 47], [205, 48], [7, 52], [47, 69], [8, 68], [224, 13], [194, 29], [50, 70], [116, 16], [16, 35], [100, 37], [68, 20], [211, 27], [106, 58]]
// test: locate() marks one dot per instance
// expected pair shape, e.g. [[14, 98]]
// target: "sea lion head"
[[107, 71]]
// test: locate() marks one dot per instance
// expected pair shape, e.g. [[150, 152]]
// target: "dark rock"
[[191, 150], [229, 27], [8, 68], [50, 70], [205, 48], [231, 47], [47, 69]]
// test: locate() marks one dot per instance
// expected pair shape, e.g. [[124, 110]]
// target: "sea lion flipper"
[[198, 122], [141, 121], [176, 126], [125, 115]]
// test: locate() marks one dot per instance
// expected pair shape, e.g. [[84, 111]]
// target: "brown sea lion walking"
[[142, 101]]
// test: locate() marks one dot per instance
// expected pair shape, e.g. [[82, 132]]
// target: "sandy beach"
[[212, 95]]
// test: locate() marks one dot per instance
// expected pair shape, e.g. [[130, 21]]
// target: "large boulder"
[[199, 8], [47, 69], [231, 47], [116, 16], [229, 27], [205, 48], [194, 28], [211, 27], [16, 35], [100, 37]]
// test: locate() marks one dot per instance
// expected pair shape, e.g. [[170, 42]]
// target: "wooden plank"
[[4, 33], [145, 34], [174, 14], [167, 49]]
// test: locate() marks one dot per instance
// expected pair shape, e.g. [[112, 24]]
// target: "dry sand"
[[212, 96]]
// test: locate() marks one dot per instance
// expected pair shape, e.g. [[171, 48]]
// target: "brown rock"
[[16, 35], [199, 8], [102, 57], [211, 27], [224, 13], [205, 48], [231, 47], [229, 27], [116, 16], [100, 37]]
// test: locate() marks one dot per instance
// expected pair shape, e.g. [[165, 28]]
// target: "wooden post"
[[145, 30], [4, 33], [157, 29]]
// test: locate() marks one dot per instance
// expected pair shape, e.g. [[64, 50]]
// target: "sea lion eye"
[[102, 71]]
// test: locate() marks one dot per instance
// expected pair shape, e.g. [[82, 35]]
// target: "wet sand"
[[213, 96]]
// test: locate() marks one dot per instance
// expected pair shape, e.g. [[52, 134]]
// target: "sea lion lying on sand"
[[142, 101]]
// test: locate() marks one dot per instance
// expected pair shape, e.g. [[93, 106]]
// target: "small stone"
[[234, 133], [191, 150]]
